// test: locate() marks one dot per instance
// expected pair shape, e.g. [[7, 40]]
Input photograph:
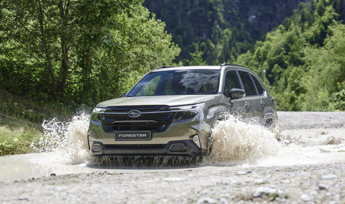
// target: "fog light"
[[178, 147], [196, 140], [96, 148]]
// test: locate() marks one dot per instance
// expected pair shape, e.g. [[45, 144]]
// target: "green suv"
[[172, 110]]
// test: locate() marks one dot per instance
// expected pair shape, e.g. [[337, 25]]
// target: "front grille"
[[139, 146], [139, 108], [155, 127], [155, 116], [155, 122]]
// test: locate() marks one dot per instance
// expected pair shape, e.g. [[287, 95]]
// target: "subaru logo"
[[134, 113]]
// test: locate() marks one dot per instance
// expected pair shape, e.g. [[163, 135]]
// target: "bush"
[[337, 99]]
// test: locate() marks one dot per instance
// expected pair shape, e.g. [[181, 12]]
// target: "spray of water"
[[68, 140], [237, 142], [146, 161], [234, 142]]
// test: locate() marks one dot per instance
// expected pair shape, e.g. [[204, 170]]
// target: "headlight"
[[187, 112], [99, 110], [95, 116]]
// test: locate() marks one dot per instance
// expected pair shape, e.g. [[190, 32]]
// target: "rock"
[[332, 141], [325, 150], [23, 198], [305, 198], [322, 187], [243, 172], [264, 192], [259, 181], [206, 200], [223, 201], [173, 179], [330, 176], [53, 174]]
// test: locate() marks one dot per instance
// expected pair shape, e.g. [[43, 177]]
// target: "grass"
[[16, 135], [21, 119], [30, 110]]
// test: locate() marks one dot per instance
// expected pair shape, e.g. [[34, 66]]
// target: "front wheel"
[[269, 120]]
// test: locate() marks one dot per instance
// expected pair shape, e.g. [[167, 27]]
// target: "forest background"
[[58, 57]]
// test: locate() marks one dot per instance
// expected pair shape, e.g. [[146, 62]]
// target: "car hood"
[[172, 100]]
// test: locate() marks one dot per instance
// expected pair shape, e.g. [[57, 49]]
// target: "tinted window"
[[247, 83], [258, 85], [231, 81], [178, 82]]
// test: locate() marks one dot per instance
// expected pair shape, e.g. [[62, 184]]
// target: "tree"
[[196, 56], [60, 36], [304, 61], [80, 50]]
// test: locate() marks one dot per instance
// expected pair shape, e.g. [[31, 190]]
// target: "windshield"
[[178, 82]]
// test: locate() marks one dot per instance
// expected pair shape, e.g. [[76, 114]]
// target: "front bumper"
[[173, 148]]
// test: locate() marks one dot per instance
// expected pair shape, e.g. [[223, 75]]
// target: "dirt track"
[[307, 169]]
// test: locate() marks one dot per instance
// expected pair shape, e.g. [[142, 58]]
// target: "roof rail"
[[162, 67], [226, 64]]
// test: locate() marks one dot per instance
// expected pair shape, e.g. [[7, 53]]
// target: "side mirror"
[[237, 93]]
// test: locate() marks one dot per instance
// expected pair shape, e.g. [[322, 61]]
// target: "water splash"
[[234, 141], [68, 140], [145, 161]]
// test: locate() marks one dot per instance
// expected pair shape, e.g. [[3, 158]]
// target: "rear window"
[[258, 85]]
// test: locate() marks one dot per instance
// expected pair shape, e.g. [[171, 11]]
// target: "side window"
[[150, 87], [258, 85], [248, 84], [231, 81]]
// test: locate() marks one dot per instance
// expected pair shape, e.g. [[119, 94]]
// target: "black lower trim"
[[138, 150]]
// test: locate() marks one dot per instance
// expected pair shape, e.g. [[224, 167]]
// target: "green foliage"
[[304, 61], [326, 67], [303, 57], [196, 56], [223, 28], [60, 57], [17, 135], [52, 51], [55, 41], [138, 46], [337, 99]]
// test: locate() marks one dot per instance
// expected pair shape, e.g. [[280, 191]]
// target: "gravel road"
[[308, 167]]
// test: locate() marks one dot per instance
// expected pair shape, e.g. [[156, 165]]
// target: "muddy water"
[[300, 138]]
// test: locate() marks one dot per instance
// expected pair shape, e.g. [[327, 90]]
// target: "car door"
[[236, 107], [253, 101], [262, 95]]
